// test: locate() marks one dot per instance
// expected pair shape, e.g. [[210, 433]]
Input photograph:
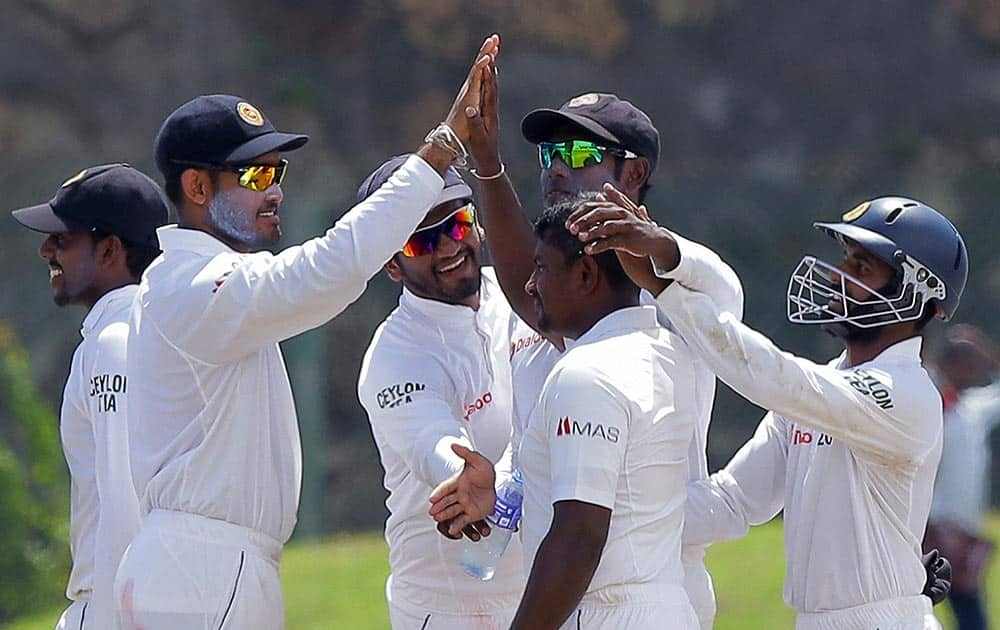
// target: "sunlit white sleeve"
[[701, 269], [406, 397], [748, 491], [860, 406], [239, 303], [584, 468]]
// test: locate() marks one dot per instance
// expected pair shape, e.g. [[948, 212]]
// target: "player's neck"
[[864, 350]]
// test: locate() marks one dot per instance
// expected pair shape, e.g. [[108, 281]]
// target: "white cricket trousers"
[[634, 607], [405, 619], [75, 616], [902, 613], [190, 572]]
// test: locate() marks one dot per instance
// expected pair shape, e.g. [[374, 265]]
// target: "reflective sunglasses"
[[578, 153], [456, 225], [255, 177]]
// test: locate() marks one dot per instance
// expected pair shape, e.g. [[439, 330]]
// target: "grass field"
[[338, 583]]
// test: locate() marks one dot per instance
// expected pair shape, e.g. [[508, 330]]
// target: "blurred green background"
[[772, 115]]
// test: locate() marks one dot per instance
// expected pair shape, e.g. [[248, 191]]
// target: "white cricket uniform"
[[93, 423], [849, 453], [216, 454], [612, 428], [532, 358], [438, 374]]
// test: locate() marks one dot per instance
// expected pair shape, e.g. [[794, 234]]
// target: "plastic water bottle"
[[480, 559]]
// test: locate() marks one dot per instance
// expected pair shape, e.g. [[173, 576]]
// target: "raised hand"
[[484, 129], [467, 105], [467, 496]]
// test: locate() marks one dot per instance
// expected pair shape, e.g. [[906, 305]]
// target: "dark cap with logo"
[[603, 115], [454, 186], [218, 129], [112, 198]]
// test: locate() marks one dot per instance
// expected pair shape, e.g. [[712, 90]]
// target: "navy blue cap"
[[454, 186], [606, 116], [218, 129], [113, 198]]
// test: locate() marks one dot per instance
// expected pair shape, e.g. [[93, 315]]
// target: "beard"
[[429, 285], [851, 332], [237, 225]]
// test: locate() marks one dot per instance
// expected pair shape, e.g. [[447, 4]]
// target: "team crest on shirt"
[[567, 427], [865, 383]]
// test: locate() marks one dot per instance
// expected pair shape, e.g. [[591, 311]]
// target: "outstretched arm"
[[748, 491], [241, 303], [465, 499], [508, 230]]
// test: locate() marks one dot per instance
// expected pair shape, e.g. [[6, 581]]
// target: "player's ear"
[[635, 174], [196, 186], [393, 270], [110, 251], [587, 275]]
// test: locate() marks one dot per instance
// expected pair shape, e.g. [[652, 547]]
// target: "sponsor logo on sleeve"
[[870, 386], [479, 403], [568, 427], [105, 389], [398, 394]]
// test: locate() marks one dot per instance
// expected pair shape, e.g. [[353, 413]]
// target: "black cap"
[[603, 115], [454, 186], [113, 198], [218, 129]]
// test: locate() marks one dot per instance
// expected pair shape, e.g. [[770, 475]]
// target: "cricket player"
[[849, 449], [215, 443], [590, 140], [437, 373], [100, 235], [604, 453]]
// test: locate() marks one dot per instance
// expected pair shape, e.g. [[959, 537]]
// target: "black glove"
[[938, 576]]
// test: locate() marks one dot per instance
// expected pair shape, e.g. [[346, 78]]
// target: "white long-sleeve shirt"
[[214, 429], [434, 375], [93, 423], [848, 453]]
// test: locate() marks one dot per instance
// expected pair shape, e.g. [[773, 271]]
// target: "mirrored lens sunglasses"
[[578, 153], [456, 226], [255, 177]]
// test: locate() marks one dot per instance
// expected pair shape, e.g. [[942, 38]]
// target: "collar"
[[112, 298], [623, 320], [905, 350], [442, 311], [173, 237]]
